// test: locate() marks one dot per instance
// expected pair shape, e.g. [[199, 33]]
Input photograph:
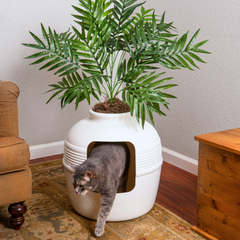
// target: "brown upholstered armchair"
[[15, 175]]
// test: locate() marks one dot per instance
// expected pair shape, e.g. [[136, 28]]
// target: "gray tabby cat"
[[105, 171]]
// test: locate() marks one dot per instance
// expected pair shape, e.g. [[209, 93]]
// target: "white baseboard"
[[180, 161], [169, 156], [48, 149]]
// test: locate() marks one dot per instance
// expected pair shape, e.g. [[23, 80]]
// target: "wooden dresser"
[[218, 209]]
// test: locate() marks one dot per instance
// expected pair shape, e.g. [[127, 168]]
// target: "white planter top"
[[104, 127]]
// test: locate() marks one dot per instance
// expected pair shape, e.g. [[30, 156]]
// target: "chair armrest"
[[14, 154], [9, 93]]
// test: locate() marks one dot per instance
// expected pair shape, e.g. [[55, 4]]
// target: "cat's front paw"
[[99, 231]]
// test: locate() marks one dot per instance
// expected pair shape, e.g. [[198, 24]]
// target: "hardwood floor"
[[45, 159], [177, 190]]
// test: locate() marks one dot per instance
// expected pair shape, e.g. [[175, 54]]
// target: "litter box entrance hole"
[[131, 179]]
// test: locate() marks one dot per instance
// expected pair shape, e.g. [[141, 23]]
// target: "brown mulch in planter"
[[117, 106]]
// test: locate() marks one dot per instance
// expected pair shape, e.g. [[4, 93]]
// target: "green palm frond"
[[56, 49], [143, 91], [140, 97], [180, 54], [75, 87], [86, 55]]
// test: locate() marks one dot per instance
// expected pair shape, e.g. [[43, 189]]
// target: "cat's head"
[[83, 181]]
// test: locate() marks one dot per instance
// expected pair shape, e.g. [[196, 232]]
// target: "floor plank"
[[178, 192]]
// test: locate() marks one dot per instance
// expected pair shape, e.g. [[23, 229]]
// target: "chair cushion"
[[14, 154], [15, 187]]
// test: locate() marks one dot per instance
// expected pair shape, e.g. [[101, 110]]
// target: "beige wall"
[[39, 123], [208, 99]]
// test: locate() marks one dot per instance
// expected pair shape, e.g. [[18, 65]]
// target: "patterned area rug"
[[50, 216]]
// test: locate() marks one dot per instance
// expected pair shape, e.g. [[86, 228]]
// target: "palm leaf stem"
[[116, 84]]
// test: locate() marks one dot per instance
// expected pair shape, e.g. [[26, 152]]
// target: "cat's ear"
[[90, 174]]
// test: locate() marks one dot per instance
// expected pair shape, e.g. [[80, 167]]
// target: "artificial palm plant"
[[108, 35]]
